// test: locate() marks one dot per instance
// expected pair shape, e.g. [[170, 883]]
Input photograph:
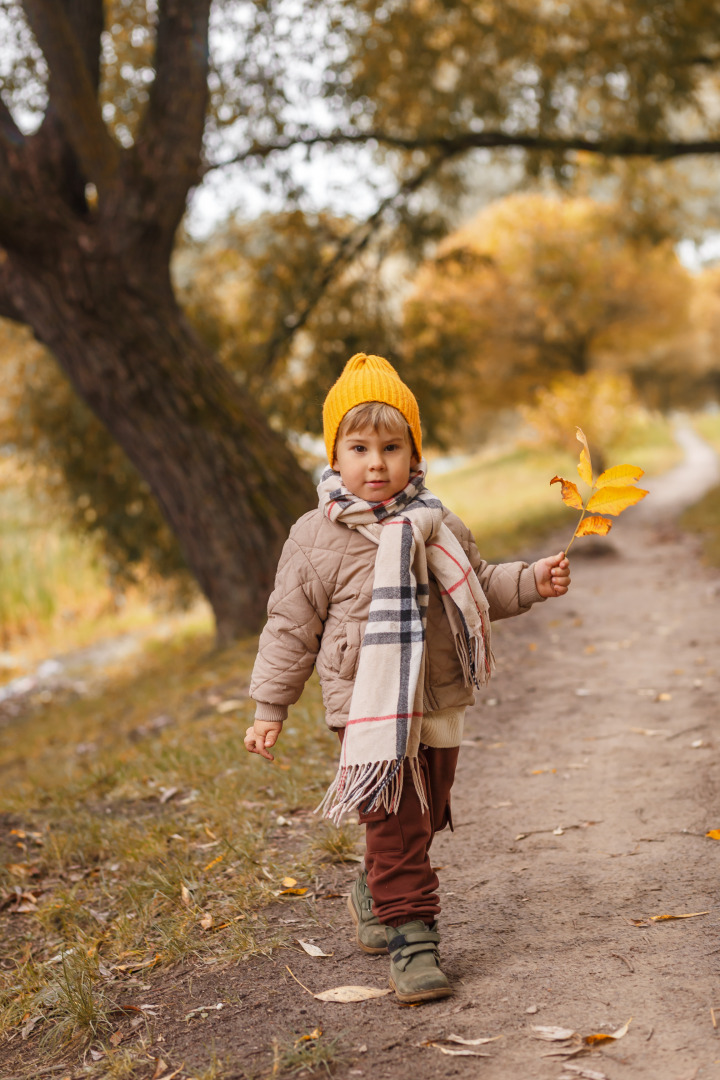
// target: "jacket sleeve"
[[510, 588], [289, 643]]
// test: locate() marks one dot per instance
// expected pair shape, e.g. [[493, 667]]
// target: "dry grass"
[[129, 843]]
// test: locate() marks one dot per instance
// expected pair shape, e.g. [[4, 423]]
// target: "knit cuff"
[[270, 714], [527, 589]]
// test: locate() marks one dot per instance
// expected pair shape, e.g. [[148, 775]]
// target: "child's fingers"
[[260, 744], [255, 744]]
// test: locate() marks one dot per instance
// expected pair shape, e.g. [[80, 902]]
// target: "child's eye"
[[391, 446], [360, 449]]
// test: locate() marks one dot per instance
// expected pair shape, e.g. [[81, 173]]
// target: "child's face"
[[375, 465]]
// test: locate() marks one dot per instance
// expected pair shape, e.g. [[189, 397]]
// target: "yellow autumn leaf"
[[313, 1036], [601, 1037], [619, 474], [594, 526], [663, 918], [292, 892], [585, 464], [714, 834], [288, 882], [613, 500], [570, 493]]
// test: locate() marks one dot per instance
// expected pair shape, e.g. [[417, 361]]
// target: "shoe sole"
[[356, 920], [421, 995]]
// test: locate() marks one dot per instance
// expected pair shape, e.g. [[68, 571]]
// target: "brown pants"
[[402, 881]]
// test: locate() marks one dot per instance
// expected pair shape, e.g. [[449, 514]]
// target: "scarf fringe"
[[370, 786], [476, 657]]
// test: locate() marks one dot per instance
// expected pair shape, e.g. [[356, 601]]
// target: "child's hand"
[[552, 575], [261, 736]]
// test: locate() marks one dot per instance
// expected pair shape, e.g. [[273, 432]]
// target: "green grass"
[[507, 500]]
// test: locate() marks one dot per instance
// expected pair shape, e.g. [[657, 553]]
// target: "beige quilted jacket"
[[319, 607]]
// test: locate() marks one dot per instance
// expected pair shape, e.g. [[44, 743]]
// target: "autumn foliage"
[[610, 493]]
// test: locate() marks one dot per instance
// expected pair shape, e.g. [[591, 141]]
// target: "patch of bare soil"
[[587, 783]]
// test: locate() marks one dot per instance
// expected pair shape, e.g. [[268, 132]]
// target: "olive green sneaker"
[[415, 973], [371, 933]]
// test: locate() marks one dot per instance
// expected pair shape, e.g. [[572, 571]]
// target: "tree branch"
[[169, 144], [72, 93], [348, 249], [611, 146]]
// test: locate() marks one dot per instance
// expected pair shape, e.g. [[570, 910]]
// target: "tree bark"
[[228, 485]]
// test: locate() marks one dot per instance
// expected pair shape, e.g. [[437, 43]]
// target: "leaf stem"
[[584, 510]]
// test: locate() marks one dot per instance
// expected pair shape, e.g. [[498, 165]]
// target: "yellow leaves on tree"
[[610, 493]]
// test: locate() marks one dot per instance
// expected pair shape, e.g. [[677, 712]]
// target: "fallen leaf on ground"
[[169, 1076], [292, 892], [581, 1070], [593, 1040], [29, 1025], [455, 1053], [351, 993], [312, 950], [160, 1068], [136, 967], [185, 895], [288, 882], [552, 1034], [19, 870], [206, 921], [167, 794], [205, 1009], [309, 1038], [213, 863], [663, 918], [471, 1042], [714, 834], [116, 1038], [342, 993]]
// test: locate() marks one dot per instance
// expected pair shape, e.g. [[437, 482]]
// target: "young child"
[[384, 591]]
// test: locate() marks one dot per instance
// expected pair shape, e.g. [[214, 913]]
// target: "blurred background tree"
[[112, 113], [538, 288]]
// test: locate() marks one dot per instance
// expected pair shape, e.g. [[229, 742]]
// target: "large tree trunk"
[[227, 483]]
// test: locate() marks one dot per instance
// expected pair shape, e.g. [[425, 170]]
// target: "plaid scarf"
[[383, 727]]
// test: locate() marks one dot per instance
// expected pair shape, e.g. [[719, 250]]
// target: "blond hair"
[[374, 415]]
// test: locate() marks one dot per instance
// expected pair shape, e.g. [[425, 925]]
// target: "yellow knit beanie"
[[368, 378]]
